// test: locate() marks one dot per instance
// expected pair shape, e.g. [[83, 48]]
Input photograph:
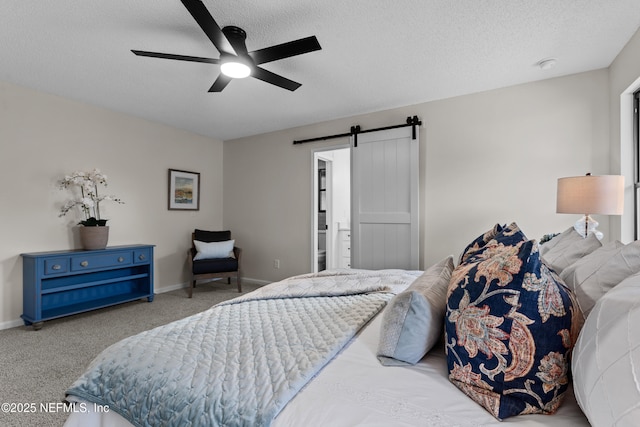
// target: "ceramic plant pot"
[[94, 237]]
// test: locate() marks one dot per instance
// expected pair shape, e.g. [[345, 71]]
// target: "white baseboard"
[[11, 324], [163, 289], [255, 281]]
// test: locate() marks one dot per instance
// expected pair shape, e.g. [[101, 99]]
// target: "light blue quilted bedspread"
[[240, 362]]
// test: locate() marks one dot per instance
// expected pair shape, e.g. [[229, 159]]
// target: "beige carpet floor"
[[36, 367]]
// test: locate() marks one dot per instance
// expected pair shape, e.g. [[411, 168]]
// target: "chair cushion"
[[215, 265], [212, 236]]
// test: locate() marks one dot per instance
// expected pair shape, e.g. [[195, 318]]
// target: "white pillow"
[[414, 319], [594, 275], [606, 358], [209, 250]]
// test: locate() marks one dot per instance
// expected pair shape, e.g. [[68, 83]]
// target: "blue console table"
[[62, 283]]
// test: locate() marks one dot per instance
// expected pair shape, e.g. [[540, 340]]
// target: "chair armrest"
[[237, 252]]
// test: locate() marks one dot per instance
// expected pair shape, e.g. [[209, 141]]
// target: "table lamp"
[[589, 194]]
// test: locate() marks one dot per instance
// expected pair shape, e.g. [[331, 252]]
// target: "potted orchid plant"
[[88, 200]]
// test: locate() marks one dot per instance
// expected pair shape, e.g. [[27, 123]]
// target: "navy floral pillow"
[[479, 242], [509, 235], [510, 327]]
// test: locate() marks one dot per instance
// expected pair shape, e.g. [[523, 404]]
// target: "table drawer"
[[89, 262], [142, 256], [56, 265]]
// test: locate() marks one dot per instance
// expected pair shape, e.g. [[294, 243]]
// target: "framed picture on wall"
[[184, 190]]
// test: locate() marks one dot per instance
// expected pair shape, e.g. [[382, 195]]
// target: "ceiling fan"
[[235, 61]]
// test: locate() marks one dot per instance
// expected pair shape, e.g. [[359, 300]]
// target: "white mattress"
[[356, 390]]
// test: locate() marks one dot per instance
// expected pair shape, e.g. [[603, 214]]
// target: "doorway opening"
[[331, 208]]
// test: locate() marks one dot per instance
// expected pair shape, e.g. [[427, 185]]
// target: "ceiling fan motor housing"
[[231, 31]]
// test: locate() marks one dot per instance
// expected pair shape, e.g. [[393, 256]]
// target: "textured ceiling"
[[376, 54]]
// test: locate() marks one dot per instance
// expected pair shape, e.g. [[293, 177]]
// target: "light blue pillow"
[[209, 250], [414, 319]]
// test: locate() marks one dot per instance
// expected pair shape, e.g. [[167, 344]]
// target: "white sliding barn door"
[[385, 217]]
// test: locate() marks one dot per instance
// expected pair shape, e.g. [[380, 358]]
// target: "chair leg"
[[239, 283], [192, 284]]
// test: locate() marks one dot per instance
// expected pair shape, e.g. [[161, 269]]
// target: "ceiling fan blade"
[[285, 50], [274, 79], [176, 57], [198, 10], [221, 82]]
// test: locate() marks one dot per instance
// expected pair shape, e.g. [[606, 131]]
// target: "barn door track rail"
[[355, 130]]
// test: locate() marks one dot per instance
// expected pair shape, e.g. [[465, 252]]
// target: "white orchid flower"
[[89, 200]]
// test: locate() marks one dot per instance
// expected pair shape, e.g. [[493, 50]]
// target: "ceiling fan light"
[[235, 70]]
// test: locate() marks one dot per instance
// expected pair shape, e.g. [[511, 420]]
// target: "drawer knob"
[[56, 267], [84, 263], [120, 259], [141, 257]]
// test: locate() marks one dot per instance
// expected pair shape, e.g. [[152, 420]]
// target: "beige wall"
[[485, 158], [624, 79], [44, 137]]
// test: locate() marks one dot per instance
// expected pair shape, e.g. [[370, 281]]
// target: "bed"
[[359, 382]]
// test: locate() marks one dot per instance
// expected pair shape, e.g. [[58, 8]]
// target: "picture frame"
[[184, 190]]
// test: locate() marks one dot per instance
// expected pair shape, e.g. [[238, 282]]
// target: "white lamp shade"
[[590, 194]]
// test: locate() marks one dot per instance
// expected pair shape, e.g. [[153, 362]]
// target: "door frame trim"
[[315, 154]]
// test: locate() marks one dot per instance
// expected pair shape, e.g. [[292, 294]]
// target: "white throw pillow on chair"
[[211, 250]]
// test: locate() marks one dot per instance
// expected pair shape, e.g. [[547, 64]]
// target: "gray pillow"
[[569, 250], [569, 233], [414, 319], [583, 268], [594, 275]]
